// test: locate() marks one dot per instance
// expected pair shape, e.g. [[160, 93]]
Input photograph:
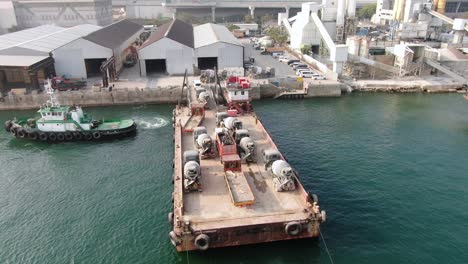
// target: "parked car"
[[284, 59], [289, 62], [277, 54], [295, 63], [300, 70], [307, 74], [300, 66], [318, 77]]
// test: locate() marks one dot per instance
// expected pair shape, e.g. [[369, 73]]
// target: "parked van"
[[307, 74], [293, 61]]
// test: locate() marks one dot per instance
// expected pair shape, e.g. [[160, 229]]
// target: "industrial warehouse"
[[28, 57], [177, 46], [31, 55]]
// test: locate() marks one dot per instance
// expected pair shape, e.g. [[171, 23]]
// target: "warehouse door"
[[93, 67], [155, 67], [207, 63]]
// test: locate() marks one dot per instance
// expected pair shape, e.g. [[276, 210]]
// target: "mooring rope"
[[188, 261], [326, 248]]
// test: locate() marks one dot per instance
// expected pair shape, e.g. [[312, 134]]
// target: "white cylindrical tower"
[[340, 10], [351, 8]]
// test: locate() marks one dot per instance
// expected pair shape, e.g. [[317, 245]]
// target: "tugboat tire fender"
[[21, 133], [8, 125], [87, 136], [33, 135], [174, 239], [60, 137], [52, 137], [42, 136], [13, 131], [96, 135], [293, 228], [77, 136], [202, 242], [68, 136]]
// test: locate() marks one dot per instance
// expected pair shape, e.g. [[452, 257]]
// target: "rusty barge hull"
[[211, 217]]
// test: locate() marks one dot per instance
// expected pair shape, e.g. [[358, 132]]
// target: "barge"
[[245, 193]]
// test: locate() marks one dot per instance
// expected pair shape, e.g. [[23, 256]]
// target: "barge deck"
[[211, 218]]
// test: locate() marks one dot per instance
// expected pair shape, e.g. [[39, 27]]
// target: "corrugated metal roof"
[[15, 38], [176, 30], [209, 33], [45, 38], [20, 61], [115, 34]]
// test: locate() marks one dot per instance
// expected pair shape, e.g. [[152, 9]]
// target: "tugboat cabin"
[[54, 113]]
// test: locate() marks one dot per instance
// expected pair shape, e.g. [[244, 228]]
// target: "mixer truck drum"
[[202, 242], [293, 228]]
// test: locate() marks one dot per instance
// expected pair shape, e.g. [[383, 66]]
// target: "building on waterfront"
[[177, 46], [64, 13], [216, 46], [29, 56], [169, 50], [25, 56], [89, 52]]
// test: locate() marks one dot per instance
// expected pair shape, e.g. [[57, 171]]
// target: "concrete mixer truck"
[[203, 143], [192, 171], [247, 150], [283, 176]]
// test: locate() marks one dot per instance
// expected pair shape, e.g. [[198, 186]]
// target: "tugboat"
[[58, 123]]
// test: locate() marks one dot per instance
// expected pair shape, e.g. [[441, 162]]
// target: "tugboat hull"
[[61, 136]]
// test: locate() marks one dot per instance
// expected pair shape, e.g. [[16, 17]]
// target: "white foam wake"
[[151, 122]]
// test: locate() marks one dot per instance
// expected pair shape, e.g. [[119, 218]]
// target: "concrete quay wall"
[[125, 96], [90, 98], [323, 90]]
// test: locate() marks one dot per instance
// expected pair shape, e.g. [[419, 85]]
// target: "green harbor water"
[[391, 170]]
